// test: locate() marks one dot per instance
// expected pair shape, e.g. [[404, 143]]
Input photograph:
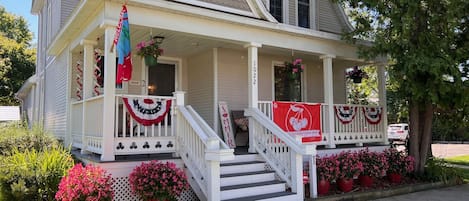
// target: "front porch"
[[199, 69]]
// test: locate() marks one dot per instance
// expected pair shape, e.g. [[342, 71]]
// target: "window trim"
[[303, 82]]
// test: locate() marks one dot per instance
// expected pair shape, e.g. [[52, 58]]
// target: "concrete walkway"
[[454, 193]]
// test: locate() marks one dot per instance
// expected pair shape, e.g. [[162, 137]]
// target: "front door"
[[161, 79]]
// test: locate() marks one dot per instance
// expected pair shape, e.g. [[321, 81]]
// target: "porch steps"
[[246, 178]]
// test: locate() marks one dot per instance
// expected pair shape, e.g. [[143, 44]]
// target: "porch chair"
[[241, 129]]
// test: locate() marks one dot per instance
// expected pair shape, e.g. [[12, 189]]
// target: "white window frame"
[[303, 80]]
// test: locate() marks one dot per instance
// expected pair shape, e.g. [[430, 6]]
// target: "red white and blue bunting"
[[345, 114], [373, 115], [147, 111]]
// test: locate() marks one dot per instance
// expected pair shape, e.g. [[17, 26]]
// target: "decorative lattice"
[[124, 193]]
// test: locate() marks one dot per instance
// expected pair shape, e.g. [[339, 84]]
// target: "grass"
[[460, 160]]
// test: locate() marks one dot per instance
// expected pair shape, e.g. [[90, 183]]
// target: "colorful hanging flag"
[[302, 119], [122, 42]]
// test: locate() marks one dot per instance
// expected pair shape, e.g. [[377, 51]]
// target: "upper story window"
[[303, 13], [276, 7]]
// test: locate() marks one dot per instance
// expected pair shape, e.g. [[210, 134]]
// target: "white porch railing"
[[283, 152], [359, 130], [201, 150], [131, 137], [87, 124]]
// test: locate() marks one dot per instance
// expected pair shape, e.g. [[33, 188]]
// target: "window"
[[287, 87], [303, 13], [276, 9]]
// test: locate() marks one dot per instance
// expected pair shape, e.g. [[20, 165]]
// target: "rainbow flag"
[[122, 42]]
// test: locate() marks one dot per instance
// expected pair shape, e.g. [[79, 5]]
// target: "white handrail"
[[205, 127], [279, 133], [200, 150]]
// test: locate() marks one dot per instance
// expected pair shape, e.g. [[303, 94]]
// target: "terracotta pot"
[[323, 187], [395, 177], [365, 180], [345, 185]]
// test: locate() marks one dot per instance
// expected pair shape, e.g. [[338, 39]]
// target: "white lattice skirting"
[[124, 193]]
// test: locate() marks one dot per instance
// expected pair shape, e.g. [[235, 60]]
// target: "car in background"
[[398, 132]]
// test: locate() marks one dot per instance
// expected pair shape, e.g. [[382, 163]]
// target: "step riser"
[[251, 191], [232, 169], [244, 158], [246, 179], [283, 198]]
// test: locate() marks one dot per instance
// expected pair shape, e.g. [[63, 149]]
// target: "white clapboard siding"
[[292, 14], [55, 98], [66, 9], [201, 84], [232, 78], [330, 19]]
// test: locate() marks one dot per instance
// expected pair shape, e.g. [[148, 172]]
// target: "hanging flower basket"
[[356, 74], [150, 61]]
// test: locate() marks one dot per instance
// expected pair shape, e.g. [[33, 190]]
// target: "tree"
[[17, 57], [427, 43]]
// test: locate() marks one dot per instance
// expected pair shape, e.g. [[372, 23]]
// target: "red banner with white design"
[[299, 119], [147, 111]]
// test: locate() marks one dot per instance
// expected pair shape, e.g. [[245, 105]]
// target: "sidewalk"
[[454, 193]]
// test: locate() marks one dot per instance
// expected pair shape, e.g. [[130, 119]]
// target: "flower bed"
[[341, 170]]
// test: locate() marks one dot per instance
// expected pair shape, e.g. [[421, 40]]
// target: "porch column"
[[109, 98], [329, 96], [253, 96], [87, 78], [382, 99]]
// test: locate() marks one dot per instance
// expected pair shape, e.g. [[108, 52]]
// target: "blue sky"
[[22, 8]]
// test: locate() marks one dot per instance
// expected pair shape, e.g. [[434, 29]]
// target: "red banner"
[[299, 119]]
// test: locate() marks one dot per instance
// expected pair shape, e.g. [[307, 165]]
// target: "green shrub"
[[438, 170], [33, 175], [19, 137]]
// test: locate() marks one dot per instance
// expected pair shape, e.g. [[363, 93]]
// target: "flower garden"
[[365, 169], [34, 166]]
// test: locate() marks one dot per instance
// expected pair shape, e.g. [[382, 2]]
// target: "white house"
[[214, 51]]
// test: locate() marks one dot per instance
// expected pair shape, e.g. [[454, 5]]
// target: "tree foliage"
[[17, 57], [427, 44]]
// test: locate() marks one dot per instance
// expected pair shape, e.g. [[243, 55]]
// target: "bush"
[[20, 138], [85, 183], [438, 170], [399, 163], [158, 181], [374, 164], [350, 165], [33, 175], [327, 168]]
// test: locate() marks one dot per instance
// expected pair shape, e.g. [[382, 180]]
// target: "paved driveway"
[[450, 150], [454, 193]]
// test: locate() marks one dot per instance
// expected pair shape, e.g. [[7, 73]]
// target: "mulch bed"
[[378, 184]]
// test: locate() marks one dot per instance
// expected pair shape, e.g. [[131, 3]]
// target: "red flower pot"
[[345, 185], [395, 177], [365, 180], [323, 187]]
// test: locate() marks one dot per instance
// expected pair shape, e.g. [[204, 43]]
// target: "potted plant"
[[294, 70], [356, 74], [150, 50], [350, 167], [374, 166], [157, 181], [327, 171], [85, 183], [399, 164]]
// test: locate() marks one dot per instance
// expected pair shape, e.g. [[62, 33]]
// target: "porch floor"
[[124, 158]]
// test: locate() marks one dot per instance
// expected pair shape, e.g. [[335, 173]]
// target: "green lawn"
[[461, 160]]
